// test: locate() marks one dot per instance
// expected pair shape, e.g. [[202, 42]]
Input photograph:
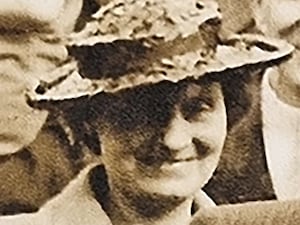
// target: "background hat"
[[148, 41]]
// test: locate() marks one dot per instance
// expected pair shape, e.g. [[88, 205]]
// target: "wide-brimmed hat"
[[149, 41]]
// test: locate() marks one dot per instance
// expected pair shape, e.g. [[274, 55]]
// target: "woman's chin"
[[180, 179], [183, 186]]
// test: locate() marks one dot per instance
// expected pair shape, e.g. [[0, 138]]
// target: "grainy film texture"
[[139, 112]]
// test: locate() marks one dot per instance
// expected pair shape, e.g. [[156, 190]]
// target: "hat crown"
[[149, 41], [166, 19]]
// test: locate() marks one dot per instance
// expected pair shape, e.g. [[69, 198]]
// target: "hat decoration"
[[148, 41]]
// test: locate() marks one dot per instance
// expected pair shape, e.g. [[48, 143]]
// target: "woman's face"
[[166, 139]]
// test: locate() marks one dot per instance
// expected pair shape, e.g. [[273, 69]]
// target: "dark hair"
[[148, 104], [132, 107]]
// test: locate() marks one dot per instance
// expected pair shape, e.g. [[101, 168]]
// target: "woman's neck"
[[127, 208]]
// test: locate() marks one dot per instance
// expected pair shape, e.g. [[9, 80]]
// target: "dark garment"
[[242, 174], [37, 173]]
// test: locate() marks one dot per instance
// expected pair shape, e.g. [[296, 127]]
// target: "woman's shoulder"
[[76, 203]]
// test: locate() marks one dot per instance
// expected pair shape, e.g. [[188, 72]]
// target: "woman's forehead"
[[164, 95], [166, 89], [150, 105]]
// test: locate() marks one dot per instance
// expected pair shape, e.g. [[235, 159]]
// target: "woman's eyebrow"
[[205, 92], [189, 103]]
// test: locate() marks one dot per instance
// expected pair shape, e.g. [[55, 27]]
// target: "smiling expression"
[[158, 139]]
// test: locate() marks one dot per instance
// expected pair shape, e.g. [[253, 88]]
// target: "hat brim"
[[244, 50]]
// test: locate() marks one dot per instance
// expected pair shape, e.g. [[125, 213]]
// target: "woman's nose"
[[177, 135]]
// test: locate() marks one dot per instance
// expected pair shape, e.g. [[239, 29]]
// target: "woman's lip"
[[188, 159], [167, 168], [157, 165]]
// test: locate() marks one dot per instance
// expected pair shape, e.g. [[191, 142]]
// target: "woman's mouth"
[[167, 166], [157, 158], [188, 159]]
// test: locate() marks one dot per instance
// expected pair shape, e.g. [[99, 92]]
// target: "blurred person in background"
[[36, 158], [263, 111]]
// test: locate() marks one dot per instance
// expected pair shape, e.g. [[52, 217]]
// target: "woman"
[[157, 103]]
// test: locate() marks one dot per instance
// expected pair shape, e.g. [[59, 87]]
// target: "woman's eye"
[[193, 109]]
